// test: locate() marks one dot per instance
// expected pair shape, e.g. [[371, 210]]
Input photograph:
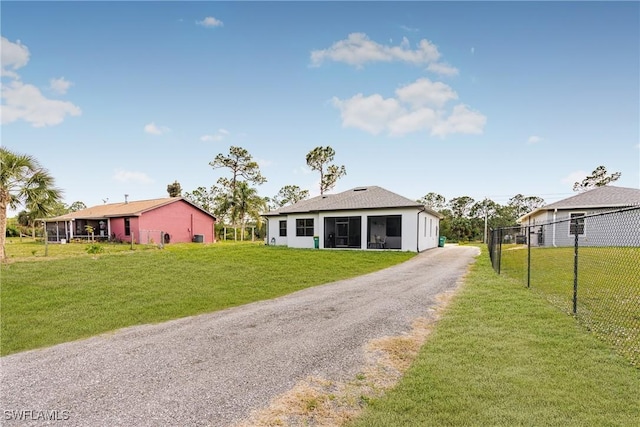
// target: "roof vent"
[[360, 189]]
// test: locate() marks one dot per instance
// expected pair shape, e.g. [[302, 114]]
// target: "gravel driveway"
[[213, 369]]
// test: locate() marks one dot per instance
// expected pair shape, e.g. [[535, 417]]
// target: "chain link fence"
[[153, 237], [588, 265]]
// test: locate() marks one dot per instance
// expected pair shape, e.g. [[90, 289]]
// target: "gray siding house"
[[584, 214], [360, 218]]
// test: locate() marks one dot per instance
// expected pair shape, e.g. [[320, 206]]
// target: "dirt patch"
[[321, 402]]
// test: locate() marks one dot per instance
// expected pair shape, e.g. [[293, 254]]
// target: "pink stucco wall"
[[180, 219]]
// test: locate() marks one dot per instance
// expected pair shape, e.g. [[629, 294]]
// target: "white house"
[[360, 218]]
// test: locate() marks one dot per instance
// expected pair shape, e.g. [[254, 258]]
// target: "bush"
[[12, 231], [95, 249]]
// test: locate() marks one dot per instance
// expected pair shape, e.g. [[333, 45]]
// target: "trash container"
[[441, 241], [316, 242]]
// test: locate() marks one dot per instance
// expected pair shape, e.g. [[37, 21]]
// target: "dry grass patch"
[[320, 402]]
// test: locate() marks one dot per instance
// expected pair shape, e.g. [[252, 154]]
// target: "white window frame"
[[584, 225]]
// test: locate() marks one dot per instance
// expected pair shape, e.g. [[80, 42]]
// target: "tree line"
[[236, 202]]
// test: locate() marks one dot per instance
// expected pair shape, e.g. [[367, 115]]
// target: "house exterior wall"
[[416, 233], [605, 230], [180, 220], [428, 232], [273, 231], [117, 228]]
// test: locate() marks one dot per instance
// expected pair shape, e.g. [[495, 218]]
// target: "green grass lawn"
[[608, 288], [502, 356], [71, 295]]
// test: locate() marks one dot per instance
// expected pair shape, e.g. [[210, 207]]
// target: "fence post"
[[500, 250], [529, 255], [575, 268]]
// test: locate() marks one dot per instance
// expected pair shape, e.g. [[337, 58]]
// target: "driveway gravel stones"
[[214, 369]]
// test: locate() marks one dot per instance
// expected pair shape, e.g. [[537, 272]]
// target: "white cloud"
[[573, 177], [60, 85], [425, 92], [13, 56], [357, 49], [218, 136], [26, 102], [131, 177], [264, 163], [370, 113], [414, 121], [533, 139], [210, 21], [443, 68], [21, 101], [304, 170], [153, 129], [409, 29], [419, 106], [461, 120]]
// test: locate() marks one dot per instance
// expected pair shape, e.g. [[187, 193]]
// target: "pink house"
[[170, 219]]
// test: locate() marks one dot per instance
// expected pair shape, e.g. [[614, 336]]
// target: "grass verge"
[[45, 303], [502, 356]]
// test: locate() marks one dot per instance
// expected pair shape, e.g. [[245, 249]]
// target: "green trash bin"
[[316, 242], [441, 241]]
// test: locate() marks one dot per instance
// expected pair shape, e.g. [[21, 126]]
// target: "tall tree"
[[433, 201], [482, 212], [77, 206], [175, 189], [23, 181], [290, 194], [598, 178], [241, 164], [248, 205], [524, 204], [318, 159], [461, 206], [243, 168], [203, 197]]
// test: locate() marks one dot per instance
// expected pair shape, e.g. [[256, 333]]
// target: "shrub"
[[95, 249]]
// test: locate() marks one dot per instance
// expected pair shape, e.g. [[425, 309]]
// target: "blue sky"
[[462, 99]]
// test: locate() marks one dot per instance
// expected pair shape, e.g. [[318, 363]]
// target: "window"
[[430, 227], [283, 228], [127, 227], [394, 226], [576, 226], [304, 227]]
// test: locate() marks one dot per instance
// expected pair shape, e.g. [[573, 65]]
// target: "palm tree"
[[248, 204], [23, 181]]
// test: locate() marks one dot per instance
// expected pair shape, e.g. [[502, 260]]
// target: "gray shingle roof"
[[600, 197], [357, 198]]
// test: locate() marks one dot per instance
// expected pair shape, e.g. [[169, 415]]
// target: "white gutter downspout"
[[553, 240], [418, 229]]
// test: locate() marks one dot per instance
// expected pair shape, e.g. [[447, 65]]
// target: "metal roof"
[[371, 197]]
